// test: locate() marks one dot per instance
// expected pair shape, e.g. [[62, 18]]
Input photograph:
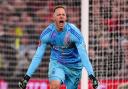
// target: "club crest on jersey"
[[67, 39]]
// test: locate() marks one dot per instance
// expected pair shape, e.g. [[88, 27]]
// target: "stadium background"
[[21, 23]]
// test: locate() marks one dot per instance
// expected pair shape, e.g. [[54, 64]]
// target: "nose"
[[61, 16]]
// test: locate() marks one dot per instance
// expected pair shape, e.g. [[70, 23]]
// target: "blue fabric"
[[69, 76], [67, 48]]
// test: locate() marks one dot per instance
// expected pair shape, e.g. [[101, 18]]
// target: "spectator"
[[3, 63], [124, 44]]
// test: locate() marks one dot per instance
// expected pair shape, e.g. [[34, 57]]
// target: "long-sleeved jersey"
[[67, 47]]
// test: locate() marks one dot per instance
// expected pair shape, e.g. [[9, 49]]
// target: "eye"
[[63, 14], [58, 14]]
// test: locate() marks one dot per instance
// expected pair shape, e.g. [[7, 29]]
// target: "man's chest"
[[60, 38]]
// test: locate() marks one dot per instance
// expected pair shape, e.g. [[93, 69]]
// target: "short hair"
[[59, 6]]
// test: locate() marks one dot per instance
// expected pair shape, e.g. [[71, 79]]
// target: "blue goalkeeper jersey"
[[67, 47]]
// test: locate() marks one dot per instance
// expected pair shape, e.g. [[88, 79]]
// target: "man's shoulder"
[[70, 24], [75, 32], [73, 28], [50, 26], [47, 30]]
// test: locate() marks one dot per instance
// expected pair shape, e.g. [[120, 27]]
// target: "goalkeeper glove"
[[94, 81], [23, 83]]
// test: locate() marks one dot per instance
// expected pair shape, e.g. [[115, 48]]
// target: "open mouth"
[[61, 21], [61, 24]]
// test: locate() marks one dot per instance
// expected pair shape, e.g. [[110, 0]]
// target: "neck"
[[59, 29]]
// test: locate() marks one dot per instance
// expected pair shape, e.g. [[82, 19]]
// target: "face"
[[59, 18]]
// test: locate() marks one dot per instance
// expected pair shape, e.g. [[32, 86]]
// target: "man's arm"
[[38, 56], [86, 63], [77, 37], [33, 66], [84, 58], [36, 59], [79, 42]]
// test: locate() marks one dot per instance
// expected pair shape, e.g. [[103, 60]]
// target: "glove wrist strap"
[[92, 77], [26, 77]]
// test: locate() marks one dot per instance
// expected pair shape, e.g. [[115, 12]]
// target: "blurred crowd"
[[21, 23], [108, 38]]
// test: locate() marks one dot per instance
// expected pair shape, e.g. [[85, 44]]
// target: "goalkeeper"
[[68, 54]]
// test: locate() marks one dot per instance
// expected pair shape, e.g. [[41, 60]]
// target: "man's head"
[[59, 17]]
